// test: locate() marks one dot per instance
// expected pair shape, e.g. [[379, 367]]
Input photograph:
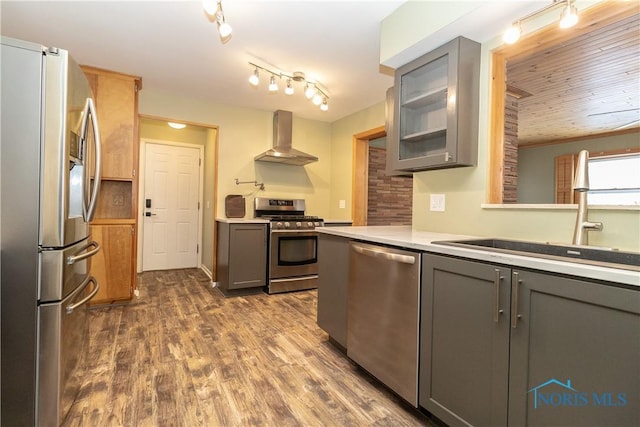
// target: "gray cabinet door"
[[464, 353], [247, 256], [575, 353], [333, 285]]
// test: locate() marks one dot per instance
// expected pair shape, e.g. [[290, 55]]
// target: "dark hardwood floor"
[[183, 355]]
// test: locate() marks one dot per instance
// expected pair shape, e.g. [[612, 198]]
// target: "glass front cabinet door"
[[435, 109]]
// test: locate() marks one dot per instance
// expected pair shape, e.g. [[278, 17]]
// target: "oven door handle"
[[309, 232]]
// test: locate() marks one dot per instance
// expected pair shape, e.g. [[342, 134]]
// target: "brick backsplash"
[[390, 198]]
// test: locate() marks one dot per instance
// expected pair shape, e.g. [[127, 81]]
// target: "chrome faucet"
[[581, 185]]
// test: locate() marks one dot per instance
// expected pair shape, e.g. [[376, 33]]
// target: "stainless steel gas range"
[[293, 244]]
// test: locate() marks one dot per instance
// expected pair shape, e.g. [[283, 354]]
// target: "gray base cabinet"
[[503, 346], [464, 354], [333, 285], [242, 256]]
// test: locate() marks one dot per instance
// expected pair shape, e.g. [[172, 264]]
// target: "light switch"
[[437, 202], [343, 204]]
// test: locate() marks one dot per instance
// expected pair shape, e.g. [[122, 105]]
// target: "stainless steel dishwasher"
[[383, 315]]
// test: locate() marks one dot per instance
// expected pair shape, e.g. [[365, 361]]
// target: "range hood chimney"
[[282, 151]]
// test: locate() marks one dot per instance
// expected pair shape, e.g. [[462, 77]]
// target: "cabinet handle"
[[496, 296], [514, 299]]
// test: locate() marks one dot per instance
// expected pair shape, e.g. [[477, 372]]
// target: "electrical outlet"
[[437, 202], [343, 204]]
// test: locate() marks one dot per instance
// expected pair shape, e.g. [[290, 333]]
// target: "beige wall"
[[242, 134], [342, 132]]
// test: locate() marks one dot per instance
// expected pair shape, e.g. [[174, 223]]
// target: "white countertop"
[[406, 237]]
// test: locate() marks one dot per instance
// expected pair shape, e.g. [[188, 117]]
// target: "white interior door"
[[171, 194]]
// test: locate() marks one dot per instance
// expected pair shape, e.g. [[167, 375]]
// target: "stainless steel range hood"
[[282, 151]]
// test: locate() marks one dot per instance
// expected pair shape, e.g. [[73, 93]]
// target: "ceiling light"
[[213, 8], [210, 6], [512, 34], [309, 91], [569, 16], [312, 88], [177, 125], [289, 89], [254, 79], [273, 86]]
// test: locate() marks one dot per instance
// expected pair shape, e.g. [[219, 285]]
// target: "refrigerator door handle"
[[75, 258], [89, 206], [96, 287]]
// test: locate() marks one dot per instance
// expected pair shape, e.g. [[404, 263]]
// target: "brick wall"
[[510, 174], [389, 197]]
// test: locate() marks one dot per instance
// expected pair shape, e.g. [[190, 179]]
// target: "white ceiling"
[[175, 48]]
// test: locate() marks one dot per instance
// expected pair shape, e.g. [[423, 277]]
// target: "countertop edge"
[[243, 220], [404, 236]]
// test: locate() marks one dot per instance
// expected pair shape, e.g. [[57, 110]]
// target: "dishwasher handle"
[[390, 256]]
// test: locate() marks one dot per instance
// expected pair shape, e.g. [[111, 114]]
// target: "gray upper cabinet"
[[503, 346], [435, 109]]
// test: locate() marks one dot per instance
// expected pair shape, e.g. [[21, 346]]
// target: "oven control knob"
[[317, 224], [278, 225], [286, 225], [298, 224], [310, 224]]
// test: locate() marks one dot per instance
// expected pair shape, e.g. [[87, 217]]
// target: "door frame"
[[141, 192], [360, 178]]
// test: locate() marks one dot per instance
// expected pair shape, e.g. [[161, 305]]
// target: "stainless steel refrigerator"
[[49, 183]]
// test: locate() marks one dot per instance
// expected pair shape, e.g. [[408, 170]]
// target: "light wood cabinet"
[[116, 97], [435, 109], [114, 265], [115, 223]]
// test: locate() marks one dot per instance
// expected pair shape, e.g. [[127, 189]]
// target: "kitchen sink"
[[582, 254]]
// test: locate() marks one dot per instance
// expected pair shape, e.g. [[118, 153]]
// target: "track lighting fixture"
[[312, 89], [213, 8], [568, 18]]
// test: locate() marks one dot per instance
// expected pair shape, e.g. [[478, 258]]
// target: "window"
[[614, 180]]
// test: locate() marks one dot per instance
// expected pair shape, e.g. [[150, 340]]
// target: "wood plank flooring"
[[183, 355]]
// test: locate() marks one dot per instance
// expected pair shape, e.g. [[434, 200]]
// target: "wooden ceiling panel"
[[584, 85]]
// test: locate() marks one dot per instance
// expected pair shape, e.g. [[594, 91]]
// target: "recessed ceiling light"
[[177, 125]]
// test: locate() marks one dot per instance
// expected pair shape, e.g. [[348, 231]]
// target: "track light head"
[[569, 16], [309, 90], [254, 79], [289, 89], [273, 86], [512, 34]]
